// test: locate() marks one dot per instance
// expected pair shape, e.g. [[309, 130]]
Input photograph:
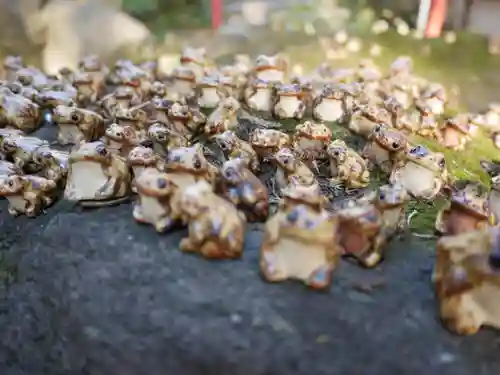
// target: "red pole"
[[437, 16], [216, 14]]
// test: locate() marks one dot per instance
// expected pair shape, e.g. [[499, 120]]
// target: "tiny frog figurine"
[[28, 195], [427, 126], [224, 117], [366, 118], [209, 92], [194, 59], [258, 95], [467, 210], [492, 168], [49, 99], [467, 280], [23, 151], [456, 133], [270, 68], [330, 104], [310, 140], [120, 139], [18, 112], [300, 240], [159, 110], [216, 228], [11, 64], [8, 169], [385, 147], [391, 203], [141, 158], [153, 205], [241, 187], [234, 147], [96, 176], [54, 165], [86, 93], [183, 84], [422, 172], [186, 120], [76, 125], [289, 102], [122, 97], [266, 142], [347, 166], [164, 138], [93, 66], [435, 98], [135, 117], [292, 170]]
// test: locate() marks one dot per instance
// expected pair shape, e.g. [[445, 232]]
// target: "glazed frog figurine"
[[270, 68], [234, 147], [86, 93], [233, 85], [347, 166], [391, 202], [426, 125], [185, 119], [468, 209], [54, 165], [141, 158], [224, 117], [422, 172], [289, 102], [435, 97], [385, 147], [92, 65], [292, 170], [183, 84], [365, 119], [11, 64], [153, 204], [76, 125], [329, 104], [492, 168], [216, 229], [165, 138], [300, 240], [241, 187], [159, 110], [467, 280], [96, 176], [455, 133], [258, 95], [120, 139], [209, 92], [23, 151], [122, 97], [266, 142], [134, 117], [18, 112], [310, 140], [194, 59], [8, 169], [28, 195]]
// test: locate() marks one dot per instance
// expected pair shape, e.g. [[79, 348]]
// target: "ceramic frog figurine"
[[18, 112], [120, 139], [76, 125], [155, 190], [86, 93], [96, 69], [11, 64], [492, 168], [310, 140], [289, 102], [259, 94], [135, 117], [224, 117], [292, 170], [330, 104], [141, 158], [300, 240], [455, 134], [385, 147], [122, 97], [422, 172], [24, 151], [434, 96], [266, 142], [8, 169], [467, 210], [209, 92], [234, 147], [164, 138], [186, 119], [194, 59], [366, 118], [270, 68], [347, 166], [96, 176], [216, 229], [467, 280], [241, 187], [183, 84]]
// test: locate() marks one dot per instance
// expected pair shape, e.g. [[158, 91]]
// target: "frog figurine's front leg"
[[108, 190], [320, 278], [374, 255], [195, 237], [33, 204], [269, 265]]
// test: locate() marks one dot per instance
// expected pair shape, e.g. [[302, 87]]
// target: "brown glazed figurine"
[[8, 169], [259, 94], [153, 205], [120, 139], [270, 68], [467, 210], [241, 187], [234, 147], [183, 83], [54, 165], [24, 151], [28, 195], [165, 138], [300, 240], [347, 166], [77, 125], [18, 112], [290, 169], [467, 280], [185, 119], [330, 105], [141, 158], [266, 142], [289, 102], [224, 117], [366, 118], [455, 134], [209, 92], [310, 140], [422, 172], [96, 176], [216, 228], [493, 170]]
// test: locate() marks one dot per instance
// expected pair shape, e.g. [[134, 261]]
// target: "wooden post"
[[437, 17], [216, 14]]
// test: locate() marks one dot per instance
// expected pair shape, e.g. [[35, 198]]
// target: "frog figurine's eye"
[[442, 163], [161, 183]]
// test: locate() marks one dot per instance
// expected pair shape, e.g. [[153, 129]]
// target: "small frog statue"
[[97, 177], [421, 171], [234, 147], [120, 139], [183, 84], [86, 94], [24, 151], [259, 95], [385, 147], [26, 194], [141, 158], [490, 119], [224, 117], [330, 104], [270, 68], [434, 97], [77, 125], [467, 210], [11, 64], [241, 187], [467, 280], [365, 119], [427, 124], [164, 138], [455, 133], [93, 66], [186, 120], [347, 166], [289, 102], [49, 99], [33, 77], [195, 60], [8, 169], [310, 140], [365, 228], [209, 92], [492, 168], [266, 142], [158, 110], [292, 170], [395, 110], [300, 240], [18, 112], [122, 97], [233, 85], [155, 190], [134, 117], [216, 229], [54, 165]]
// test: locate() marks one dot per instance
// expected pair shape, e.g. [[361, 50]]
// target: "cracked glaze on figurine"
[[291, 170], [310, 140], [347, 166], [224, 117], [234, 147], [77, 125]]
